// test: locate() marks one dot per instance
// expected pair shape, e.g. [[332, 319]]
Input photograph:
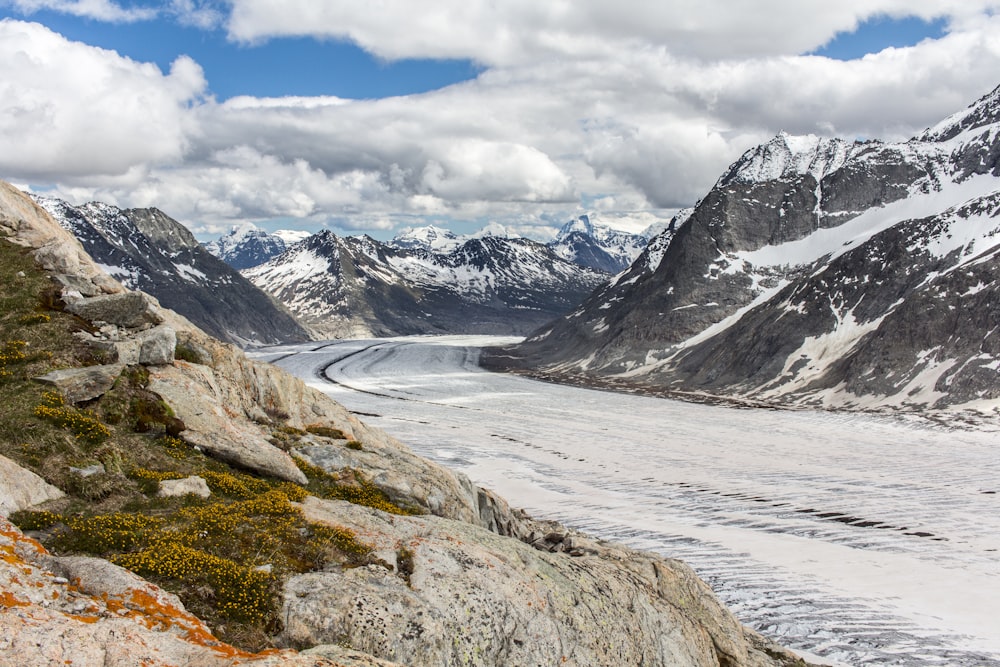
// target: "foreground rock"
[[460, 595]]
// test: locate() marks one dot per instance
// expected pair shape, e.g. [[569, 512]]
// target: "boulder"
[[157, 345], [131, 310], [83, 384], [20, 488], [181, 487]]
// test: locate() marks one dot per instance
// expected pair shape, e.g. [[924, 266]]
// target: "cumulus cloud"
[[69, 110], [519, 31], [580, 107]]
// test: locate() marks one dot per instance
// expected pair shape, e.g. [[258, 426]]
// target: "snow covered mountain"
[[246, 245], [147, 250], [434, 239], [815, 272], [598, 246], [356, 286]]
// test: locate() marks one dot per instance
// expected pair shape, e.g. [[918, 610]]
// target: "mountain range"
[[147, 250], [357, 286], [816, 272]]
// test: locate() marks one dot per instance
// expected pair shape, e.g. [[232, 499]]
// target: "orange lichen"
[[8, 599]]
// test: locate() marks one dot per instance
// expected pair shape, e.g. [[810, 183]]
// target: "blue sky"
[[277, 67], [877, 34], [460, 112]]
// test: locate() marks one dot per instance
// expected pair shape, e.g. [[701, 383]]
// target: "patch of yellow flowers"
[[83, 425]]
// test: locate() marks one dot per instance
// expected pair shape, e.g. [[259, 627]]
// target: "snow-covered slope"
[[147, 250], [358, 286], [246, 245], [598, 246], [820, 272]]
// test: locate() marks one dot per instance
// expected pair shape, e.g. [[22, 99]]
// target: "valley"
[[861, 539]]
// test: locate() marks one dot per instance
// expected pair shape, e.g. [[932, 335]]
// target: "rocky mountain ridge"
[[816, 272], [531, 592], [357, 286], [149, 251]]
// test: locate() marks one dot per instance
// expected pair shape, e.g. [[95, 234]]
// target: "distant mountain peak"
[[146, 249], [246, 245], [581, 224], [429, 237], [597, 246], [358, 286]]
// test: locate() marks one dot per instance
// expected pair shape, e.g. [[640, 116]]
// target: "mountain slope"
[[357, 286], [147, 250], [816, 271], [246, 245]]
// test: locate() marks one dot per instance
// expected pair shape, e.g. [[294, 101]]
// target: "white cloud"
[[639, 108], [68, 110], [99, 10], [520, 31]]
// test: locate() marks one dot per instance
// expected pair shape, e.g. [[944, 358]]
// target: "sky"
[[376, 116]]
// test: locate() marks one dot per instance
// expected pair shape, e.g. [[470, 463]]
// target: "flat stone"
[[83, 384], [181, 487], [129, 309]]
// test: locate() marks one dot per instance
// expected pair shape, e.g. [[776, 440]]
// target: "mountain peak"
[[789, 156], [581, 225]]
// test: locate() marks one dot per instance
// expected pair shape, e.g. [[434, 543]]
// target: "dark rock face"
[[358, 286], [818, 272], [147, 250]]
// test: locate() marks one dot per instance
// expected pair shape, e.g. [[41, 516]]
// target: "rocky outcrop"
[[20, 488], [193, 394], [131, 310], [458, 594]]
